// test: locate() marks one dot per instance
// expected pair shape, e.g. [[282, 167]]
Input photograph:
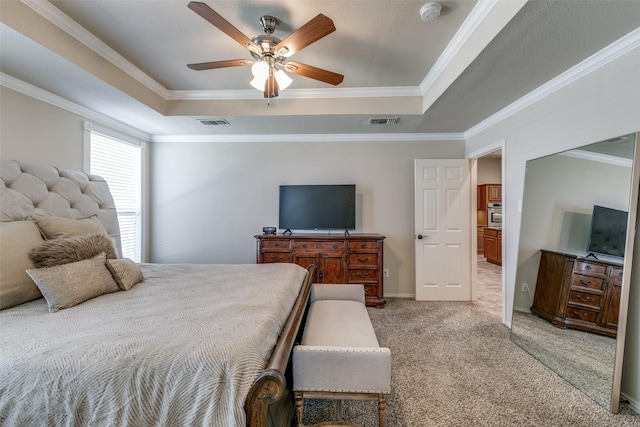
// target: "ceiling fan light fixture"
[[258, 83], [284, 81], [260, 70]]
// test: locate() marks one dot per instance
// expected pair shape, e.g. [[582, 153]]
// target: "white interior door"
[[443, 230]]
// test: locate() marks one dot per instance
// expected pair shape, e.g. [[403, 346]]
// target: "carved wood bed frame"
[[270, 402]]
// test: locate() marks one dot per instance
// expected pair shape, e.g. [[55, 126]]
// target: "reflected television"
[[608, 234]]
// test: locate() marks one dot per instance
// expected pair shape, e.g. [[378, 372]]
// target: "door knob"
[[420, 236]]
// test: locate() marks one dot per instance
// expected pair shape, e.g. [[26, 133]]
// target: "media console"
[[356, 258]]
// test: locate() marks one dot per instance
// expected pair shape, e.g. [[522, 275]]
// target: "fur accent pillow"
[[71, 249]]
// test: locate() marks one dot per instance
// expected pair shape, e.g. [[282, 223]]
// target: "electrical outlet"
[[385, 272], [525, 287]]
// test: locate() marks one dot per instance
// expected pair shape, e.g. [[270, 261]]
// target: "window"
[[120, 164]]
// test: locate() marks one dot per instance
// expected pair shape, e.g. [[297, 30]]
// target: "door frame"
[[474, 156]]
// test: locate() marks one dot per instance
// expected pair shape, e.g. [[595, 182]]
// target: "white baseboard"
[[633, 404]]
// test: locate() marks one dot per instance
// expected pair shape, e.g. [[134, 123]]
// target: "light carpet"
[[453, 364]]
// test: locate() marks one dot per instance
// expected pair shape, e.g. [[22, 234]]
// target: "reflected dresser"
[[578, 293]]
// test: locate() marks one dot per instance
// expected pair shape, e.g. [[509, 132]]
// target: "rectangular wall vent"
[[384, 121], [209, 122]]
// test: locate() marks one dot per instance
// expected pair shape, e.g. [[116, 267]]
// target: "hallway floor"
[[489, 292]]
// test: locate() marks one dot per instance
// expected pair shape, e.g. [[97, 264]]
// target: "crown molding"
[[608, 54], [57, 101], [477, 15], [347, 137], [329, 93], [598, 157], [71, 27]]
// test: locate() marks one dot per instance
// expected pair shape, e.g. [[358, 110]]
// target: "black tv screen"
[[317, 207], [608, 233]]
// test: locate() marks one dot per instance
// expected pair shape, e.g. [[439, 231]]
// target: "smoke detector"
[[430, 11]]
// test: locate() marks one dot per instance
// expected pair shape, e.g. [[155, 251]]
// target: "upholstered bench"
[[339, 356]]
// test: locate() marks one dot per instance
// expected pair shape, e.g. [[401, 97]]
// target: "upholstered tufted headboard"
[[27, 189]]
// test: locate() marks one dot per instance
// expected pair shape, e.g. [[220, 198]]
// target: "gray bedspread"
[[181, 348]]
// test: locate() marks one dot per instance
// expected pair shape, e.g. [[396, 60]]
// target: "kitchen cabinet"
[[493, 245]]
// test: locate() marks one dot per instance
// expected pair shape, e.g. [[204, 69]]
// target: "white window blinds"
[[120, 163]]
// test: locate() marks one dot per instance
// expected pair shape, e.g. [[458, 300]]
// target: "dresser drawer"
[[271, 257], [585, 298], [589, 268], [317, 245], [582, 281], [274, 244], [363, 259], [362, 276], [581, 314], [371, 290], [363, 245]]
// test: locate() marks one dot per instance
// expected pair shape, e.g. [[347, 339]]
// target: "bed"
[[190, 344]]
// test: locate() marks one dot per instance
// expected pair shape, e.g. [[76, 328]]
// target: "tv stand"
[[340, 259]]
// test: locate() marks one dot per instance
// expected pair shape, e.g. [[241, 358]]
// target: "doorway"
[[488, 275]]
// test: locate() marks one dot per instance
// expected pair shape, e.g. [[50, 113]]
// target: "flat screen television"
[[608, 233], [317, 207]]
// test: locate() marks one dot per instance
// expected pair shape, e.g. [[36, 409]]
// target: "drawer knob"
[[362, 276], [277, 245], [586, 283], [363, 259], [362, 245], [276, 259], [588, 267], [583, 315], [304, 245], [335, 246]]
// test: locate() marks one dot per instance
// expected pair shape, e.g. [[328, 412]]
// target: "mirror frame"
[[614, 403], [626, 279]]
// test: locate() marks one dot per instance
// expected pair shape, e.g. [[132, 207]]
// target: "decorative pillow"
[[71, 249], [125, 272], [53, 227], [17, 238], [66, 285]]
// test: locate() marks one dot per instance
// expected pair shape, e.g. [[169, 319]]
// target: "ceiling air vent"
[[209, 122], [384, 121]]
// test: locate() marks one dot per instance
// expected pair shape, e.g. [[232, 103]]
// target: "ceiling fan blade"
[[222, 24], [271, 87], [310, 32], [314, 73], [220, 64]]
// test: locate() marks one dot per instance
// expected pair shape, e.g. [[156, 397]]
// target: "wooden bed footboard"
[[269, 402]]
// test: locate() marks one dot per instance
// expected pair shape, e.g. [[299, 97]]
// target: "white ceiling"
[[127, 60]]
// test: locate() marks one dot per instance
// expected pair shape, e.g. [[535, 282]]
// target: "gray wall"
[[210, 199]]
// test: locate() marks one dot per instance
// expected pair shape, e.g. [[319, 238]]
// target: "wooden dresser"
[[578, 293], [340, 259]]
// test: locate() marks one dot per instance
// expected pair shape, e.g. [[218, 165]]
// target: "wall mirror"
[[570, 304]]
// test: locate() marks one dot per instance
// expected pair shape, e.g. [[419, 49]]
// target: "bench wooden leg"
[[299, 406], [382, 409]]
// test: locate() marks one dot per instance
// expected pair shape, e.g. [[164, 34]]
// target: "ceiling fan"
[[271, 53]]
